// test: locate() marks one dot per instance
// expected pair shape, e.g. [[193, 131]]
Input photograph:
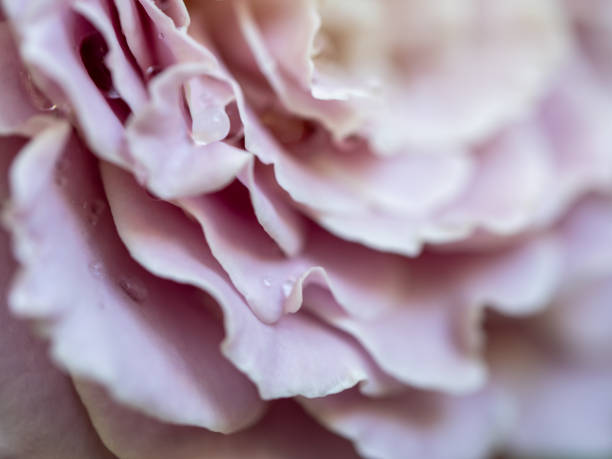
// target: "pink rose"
[[310, 228]]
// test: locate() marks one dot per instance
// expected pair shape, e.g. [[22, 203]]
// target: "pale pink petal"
[[289, 29], [339, 118], [381, 296], [513, 177], [285, 432], [175, 9], [37, 402], [273, 208], [587, 233], [574, 119], [559, 406], [171, 44], [441, 305], [168, 161], [51, 36], [350, 180], [296, 355], [151, 343], [421, 343], [492, 78], [415, 424], [135, 34], [42, 417], [17, 90], [593, 28], [385, 232], [580, 318], [127, 83], [524, 178], [518, 281], [266, 278], [497, 74]]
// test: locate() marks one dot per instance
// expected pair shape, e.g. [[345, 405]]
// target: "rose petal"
[[37, 402], [417, 424], [273, 211], [168, 161], [296, 355], [561, 407], [50, 37], [111, 321], [338, 118], [381, 295], [285, 432], [126, 82], [17, 86]]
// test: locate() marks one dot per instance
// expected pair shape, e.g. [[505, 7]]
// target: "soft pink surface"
[[395, 217]]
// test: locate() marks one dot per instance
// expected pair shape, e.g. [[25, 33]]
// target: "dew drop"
[[288, 286], [97, 206], [152, 71], [112, 93], [134, 289], [94, 210], [267, 282], [161, 35], [96, 269], [210, 124]]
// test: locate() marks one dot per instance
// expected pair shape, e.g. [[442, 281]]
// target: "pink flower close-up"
[[303, 229]]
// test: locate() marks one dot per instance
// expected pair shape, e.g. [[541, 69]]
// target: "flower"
[[306, 229]]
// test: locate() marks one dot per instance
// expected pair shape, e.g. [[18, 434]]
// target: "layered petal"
[[561, 406], [285, 432], [37, 401], [168, 160], [151, 343], [415, 424], [297, 355], [358, 73]]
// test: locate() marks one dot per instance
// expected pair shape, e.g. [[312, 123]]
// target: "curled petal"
[[273, 209], [17, 88], [50, 39], [285, 432], [37, 401], [415, 424], [295, 355], [109, 320], [167, 159], [542, 386]]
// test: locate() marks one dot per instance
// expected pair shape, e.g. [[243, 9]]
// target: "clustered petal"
[[317, 228]]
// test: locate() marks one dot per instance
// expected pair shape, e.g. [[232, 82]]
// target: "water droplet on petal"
[[97, 206], [288, 286], [112, 93], [152, 70], [210, 124], [161, 35], [267, 282], [94, 210], [134, 289], [96, 269]]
